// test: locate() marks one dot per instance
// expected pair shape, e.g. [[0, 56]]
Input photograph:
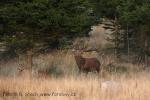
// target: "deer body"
[[87, 64], [43, 74]]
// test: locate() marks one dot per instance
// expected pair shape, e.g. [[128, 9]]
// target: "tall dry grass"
[[64, 83], [71, 88]]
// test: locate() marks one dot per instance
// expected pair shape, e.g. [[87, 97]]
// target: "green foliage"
[[45, 20], [133, 16], [55, 22], [132, 12], [17, 45]]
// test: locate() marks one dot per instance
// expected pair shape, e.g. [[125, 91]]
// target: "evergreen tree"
[[26, 22]]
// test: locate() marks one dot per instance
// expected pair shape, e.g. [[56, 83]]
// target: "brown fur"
[[86, 64], [43, 74]]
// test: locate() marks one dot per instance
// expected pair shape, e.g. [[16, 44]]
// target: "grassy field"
[[64, 82], [75, 88]]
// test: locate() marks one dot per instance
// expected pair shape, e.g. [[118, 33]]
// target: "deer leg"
[[97, 70]]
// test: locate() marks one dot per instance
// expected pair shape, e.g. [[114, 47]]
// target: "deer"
[[111, 86], [86, 64], [24, 71], [43, 74]]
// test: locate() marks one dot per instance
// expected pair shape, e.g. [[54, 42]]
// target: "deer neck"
[[80, 61]]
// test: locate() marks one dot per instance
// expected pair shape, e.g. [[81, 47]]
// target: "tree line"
[[130, 25], [25, 24]]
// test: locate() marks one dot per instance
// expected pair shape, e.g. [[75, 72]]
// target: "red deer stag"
[[86, 64]]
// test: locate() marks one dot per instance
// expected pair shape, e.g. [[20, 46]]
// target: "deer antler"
[[88, 50]]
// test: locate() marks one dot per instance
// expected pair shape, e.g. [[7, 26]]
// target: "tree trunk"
[[29, 59], [128, 44], [146, 56], [116, 38]]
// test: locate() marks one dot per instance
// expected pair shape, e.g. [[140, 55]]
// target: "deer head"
[[24, 71], [86, 64], [77, 52], [21, 68]]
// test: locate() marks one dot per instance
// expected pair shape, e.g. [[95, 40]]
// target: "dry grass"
[[136, 87], [70, 85], [64, 82]]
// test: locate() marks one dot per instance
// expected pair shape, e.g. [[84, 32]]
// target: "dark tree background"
[[26, 22], [53, 23]]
